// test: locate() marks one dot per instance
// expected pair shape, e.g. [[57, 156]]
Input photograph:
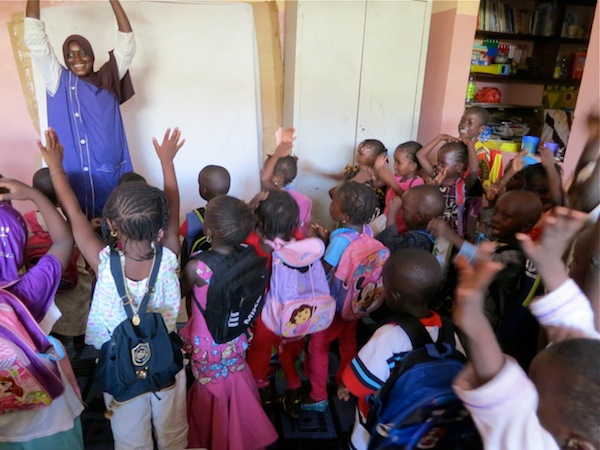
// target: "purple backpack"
[[29, 375], [298, 302], [356, 282]]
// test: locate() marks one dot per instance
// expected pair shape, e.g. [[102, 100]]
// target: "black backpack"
[[417, 407], [236, 292], [141, 356]]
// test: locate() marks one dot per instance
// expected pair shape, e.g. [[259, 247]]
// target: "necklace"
[[136, 317]]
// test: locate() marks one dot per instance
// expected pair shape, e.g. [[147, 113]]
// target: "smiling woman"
[[83, 106]]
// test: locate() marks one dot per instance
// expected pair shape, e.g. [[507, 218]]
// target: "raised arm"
[[468, 312], [32, 9], [284, 148], [554, 181], [86, 239], [60, 232], [122, 20], [425, 151], [473, 163], [166, 152]]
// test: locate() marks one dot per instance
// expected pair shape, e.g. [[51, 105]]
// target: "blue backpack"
[[141, 356], [417, 407]]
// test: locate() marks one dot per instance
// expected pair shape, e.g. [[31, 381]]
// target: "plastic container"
[[530, 143], [552, 146]]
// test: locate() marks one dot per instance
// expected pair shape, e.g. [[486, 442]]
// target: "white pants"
[[163, 412]]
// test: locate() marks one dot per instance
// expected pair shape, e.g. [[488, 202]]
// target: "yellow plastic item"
[[496, 167], [495, 69], [503, 145]]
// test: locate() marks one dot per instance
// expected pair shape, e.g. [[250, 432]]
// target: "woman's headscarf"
[[108, 75], [13, 241]]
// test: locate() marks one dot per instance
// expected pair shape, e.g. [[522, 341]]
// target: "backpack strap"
[[416, 331], [214, 261], [425, 233], [118, 273]]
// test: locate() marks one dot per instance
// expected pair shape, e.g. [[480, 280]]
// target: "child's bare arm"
[[425, 151], [393, 210], [547, 253], [384, 175], [58, 228], [166, 152], [473, 163], [86, 239], [439, 228], [554, 181], [284, 148], [468, 312], [33, 9]]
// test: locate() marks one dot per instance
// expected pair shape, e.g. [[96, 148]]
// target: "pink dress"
[[224, 409], [405, 184]]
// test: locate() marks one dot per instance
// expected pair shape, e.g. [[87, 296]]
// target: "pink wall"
[[588, 100], [19, 153], [446, 73]]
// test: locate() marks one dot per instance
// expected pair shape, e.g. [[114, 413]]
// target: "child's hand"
[[518, 162], [365, 175], [287, 136], [16, 190], [170, 145], [491, 194], [52, 152], [380, 162], [343, 393], [474, 280], [320, 232], [447, 138], [258, 198], [439, 178], [439, 229], [546, 254], [547, 158]]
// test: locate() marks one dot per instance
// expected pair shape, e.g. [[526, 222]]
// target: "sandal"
[[290, 405], [320, 406]]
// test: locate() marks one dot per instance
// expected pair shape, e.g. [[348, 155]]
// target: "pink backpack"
[[29, 375], [298, 302], [356, 282]]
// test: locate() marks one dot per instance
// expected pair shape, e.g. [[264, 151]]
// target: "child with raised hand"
[[212, 181], [140, 217], [353, 205], [74, 295], [500, 397], [224, 409], [405, 176], [276, 224], [58, 425], [412, 279], [515, 212], [417, 207], [456, 177], [280, 170]]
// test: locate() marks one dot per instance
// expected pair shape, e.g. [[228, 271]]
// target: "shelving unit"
[[535, 72]]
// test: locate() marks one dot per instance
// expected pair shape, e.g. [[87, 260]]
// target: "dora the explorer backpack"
[[236, 292], [141, 356], [356, 282], [417, 408], [29, 375], [38, 244], [298, 302]]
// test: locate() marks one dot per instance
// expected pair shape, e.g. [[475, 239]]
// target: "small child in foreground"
[[418, 206], [412, 279], [498, 394]]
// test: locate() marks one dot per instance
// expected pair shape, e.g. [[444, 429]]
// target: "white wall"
[[195, 68]]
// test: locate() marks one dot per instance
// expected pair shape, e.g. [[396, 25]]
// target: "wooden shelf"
[[481, 34], [523, 79], [503, 106]]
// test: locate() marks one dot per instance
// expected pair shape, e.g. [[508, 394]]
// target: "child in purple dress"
[[224, 409]]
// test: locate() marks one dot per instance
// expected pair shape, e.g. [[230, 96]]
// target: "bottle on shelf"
[[471, 90]]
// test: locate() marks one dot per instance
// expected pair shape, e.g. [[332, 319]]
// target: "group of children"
[[225, 405]]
